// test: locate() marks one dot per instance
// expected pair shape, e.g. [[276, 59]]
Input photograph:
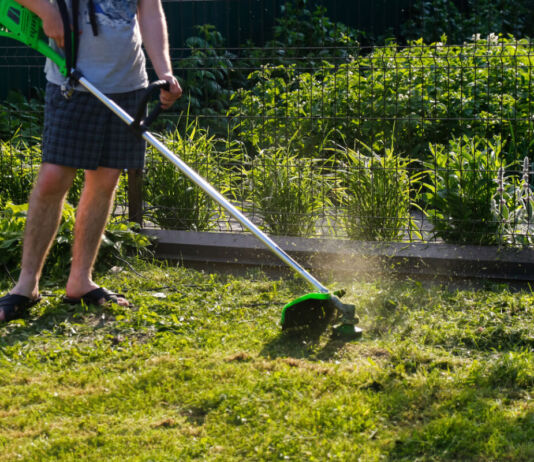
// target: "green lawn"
[[199, 370]]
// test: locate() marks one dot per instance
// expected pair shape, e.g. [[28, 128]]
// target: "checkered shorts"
[[83, 133]]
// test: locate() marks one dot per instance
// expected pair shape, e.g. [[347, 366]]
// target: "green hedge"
[[420, 94]]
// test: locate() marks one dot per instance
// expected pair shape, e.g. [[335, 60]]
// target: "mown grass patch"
[[199, 369]]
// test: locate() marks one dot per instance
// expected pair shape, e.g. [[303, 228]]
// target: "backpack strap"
[[72, 31], [92, 17], [71, 40]]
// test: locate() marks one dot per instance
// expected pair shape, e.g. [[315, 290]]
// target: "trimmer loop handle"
[[139, 123]]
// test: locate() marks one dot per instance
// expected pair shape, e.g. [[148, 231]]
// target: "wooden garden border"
[[222, 251]]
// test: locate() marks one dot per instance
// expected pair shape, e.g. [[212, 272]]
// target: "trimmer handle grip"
[[140, 123]]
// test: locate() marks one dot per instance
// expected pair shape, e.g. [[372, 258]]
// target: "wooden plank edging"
[[348, 257]]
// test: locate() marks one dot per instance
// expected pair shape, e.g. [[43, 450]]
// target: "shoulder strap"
[[71, 48], [72, 31], [92, 17]]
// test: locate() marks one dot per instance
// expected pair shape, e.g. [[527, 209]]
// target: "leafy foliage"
[[210, 74], [459, 20], [424, 93], [208, 78], [377, 193], [312, 87], [118, 240], [304, 38], [462, 188], [286, 191]]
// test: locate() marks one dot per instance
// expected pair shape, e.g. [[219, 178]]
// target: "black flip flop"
[[94, 296], [16, 306]]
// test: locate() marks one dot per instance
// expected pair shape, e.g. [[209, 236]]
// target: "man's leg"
[[44, 216], [91, 218]]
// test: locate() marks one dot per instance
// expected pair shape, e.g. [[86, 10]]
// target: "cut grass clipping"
[[199, 370]]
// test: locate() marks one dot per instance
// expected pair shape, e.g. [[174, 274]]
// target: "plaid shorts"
[[83, 133]]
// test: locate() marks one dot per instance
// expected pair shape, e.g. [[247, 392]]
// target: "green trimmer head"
[[316, 311]]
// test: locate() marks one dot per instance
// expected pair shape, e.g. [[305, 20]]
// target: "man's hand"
[[153, 27], [167, 98], [49, 14], [53, 26]]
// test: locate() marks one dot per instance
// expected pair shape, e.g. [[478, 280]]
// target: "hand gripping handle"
[[139, 123]]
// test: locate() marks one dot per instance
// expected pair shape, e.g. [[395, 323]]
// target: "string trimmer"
[[311, 311]]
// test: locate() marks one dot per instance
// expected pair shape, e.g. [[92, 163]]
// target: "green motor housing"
[[19, 23]]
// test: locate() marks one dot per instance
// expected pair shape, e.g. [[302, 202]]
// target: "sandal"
[[16, 306], [95, 296]]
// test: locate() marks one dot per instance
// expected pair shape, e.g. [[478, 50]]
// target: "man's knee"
[[54, 180], [102, 179]]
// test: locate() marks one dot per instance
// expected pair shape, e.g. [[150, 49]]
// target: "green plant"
[[308, 37], [286, 191], [459, 20], [22, 116], [208, 78], [427, 93], [377, 193], [18, 167], [283, 102], [175, 202], [461, 190], [513, 204], [118, 240]]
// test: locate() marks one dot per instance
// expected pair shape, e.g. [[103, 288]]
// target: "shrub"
[[427, 93], [431, 19], [462, 188], [286, 192], [377, 193], [174, 201], [305, 38], [208, 77]]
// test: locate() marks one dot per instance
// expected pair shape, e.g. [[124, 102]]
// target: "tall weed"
[[173, 201], [514, 206], [377, 193], [286, 191]]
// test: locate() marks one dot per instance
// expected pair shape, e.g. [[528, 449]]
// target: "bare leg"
[[91, 218], [44, 215]]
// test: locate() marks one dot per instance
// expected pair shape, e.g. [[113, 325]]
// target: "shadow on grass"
[[52, 317], [312, 344]]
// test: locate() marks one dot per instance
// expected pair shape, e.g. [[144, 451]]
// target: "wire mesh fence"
[[330, 134]]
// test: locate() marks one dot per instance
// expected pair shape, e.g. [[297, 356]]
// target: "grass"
[[199, 370]]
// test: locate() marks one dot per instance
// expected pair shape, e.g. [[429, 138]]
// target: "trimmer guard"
[[307, 311]]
